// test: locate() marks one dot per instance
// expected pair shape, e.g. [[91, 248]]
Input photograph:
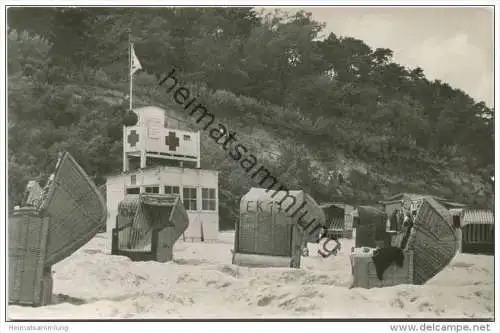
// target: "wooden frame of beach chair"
[[365, 273], [27, 253]]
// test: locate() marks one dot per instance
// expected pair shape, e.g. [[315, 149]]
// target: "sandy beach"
[[201, 282]]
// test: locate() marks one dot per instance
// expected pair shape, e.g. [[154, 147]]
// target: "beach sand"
[[201, 282]]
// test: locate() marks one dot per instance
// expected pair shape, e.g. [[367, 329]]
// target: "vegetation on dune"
[[310, 105]]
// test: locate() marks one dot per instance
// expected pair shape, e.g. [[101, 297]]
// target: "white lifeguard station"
[[159, 157]]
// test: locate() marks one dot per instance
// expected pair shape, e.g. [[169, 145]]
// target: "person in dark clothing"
[[394, 220], [401, 218], [408, 225]]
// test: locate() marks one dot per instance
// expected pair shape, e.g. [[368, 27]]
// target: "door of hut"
[[265, 233]]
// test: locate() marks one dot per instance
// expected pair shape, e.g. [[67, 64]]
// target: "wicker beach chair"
[[69, 215], [267, 235], [148, 225], [429, 248], [432, 241]]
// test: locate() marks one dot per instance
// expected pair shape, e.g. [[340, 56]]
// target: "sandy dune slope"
[[202, 283]]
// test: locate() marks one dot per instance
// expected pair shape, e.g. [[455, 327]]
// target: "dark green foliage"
[[318, 106]]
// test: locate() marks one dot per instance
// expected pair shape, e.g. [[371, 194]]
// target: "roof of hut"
[[149, 168], [348, 208], [478, 216], [332, 204], [416, 196], [411, 196], [452, 205], [456, 211], [370, 210]]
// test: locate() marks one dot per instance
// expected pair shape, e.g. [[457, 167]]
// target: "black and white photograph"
[[238, 162]]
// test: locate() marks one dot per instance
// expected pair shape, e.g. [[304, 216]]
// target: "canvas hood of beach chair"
[[59, 221], [268, 233], [148, 225], [430, 246], [371, 226]]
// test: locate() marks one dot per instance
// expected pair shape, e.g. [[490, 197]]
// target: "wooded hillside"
[[310, 105]]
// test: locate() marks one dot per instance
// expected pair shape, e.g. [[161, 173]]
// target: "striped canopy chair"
[[478, 231], [148, 225]]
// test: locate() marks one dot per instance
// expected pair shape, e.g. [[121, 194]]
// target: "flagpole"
[[125, 159], [130, 68]]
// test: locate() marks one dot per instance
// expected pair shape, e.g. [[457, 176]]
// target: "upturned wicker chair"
[[429, 248], [432, 240], [65, 216]]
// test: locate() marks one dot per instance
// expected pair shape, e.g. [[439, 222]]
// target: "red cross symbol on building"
[[172, 141], [133, 138]]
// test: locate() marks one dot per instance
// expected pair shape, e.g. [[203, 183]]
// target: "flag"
[[135, 64]]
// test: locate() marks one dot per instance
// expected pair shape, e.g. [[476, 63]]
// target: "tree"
[[331, 101]]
